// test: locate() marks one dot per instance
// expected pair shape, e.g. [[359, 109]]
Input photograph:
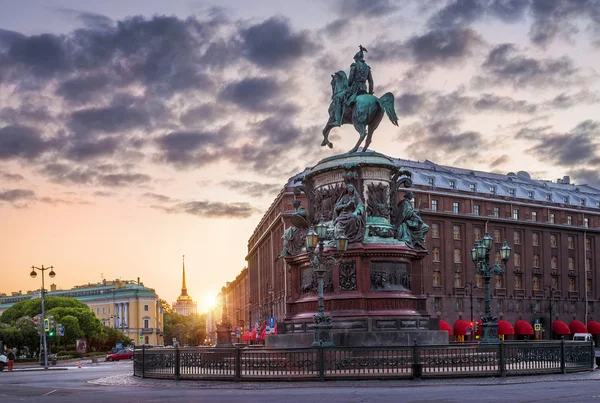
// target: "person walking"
[[11, 359]]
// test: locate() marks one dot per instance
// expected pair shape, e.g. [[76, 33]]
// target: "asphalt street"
[[114, 382]]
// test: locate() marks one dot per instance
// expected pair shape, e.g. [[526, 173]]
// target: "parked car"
[[124, 354], [3, 362], [583, 337]]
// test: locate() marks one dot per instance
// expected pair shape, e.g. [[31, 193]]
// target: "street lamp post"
[[470, 285], [550, 290], [33, 274], [481, 257], [323, 337]]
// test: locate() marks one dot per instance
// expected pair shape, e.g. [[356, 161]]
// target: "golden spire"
[[183, 287]]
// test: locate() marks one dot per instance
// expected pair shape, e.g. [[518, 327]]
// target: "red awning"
[[593, 327], [523, 328], [577, 327], [560, 327], [505, 328], [445, 326], [460, 327]]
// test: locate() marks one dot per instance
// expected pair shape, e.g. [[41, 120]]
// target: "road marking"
[[49, 393]]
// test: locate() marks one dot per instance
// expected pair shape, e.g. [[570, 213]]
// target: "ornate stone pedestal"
[[369, 293]]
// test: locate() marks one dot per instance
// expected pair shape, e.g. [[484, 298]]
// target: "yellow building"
[[125, 305], [184, 305]]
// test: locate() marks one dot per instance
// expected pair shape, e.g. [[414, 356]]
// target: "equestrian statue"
[[351, 103]]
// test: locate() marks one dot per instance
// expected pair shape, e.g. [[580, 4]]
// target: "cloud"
[[587, 176], [21, 142], [208, 209], [193, 148], [506, 66], [11, 177], [111, 119], [460, 13], [371, 8], [271, 44], [253, 189], [124, 179], [83, 89], [254, 94], [157, 197], [16, 195], [564, 100]]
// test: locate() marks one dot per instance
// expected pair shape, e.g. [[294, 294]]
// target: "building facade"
[[184, 305], [552, 227], [128, 306]]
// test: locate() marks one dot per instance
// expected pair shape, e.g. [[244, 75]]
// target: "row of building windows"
[[496, 213], [518, 305], [511, 192]]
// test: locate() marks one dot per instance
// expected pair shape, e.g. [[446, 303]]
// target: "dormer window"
[[549, 197], [566, 199], [511, 192], [430, 181], [530, 195], [493, 189], [452, 184], [583, 202], [473, 187]]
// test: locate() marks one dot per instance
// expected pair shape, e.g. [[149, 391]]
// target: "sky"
[[135, 132]]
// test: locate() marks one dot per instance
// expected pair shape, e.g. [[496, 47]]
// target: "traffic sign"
[[47, 325], [272, 322], [61, 331]]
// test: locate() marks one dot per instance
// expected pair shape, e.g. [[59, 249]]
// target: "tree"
[[32, 307], [72, 329]]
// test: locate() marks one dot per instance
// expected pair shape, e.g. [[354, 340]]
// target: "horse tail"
[[387, 103]]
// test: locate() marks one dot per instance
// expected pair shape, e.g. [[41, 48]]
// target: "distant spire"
[[183, 287]]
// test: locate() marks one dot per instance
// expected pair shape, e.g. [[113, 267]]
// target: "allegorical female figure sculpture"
[[349, 217], [410, 227], [294, 236]]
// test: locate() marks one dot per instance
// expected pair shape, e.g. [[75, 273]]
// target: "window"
[[434, 205], [437, 279], [552, 218], [517, 237], [530, 194], [511, 192], [518, 282], [554, 282], [588, 285], [497, 236], [554, 262], [458, 280], [549, 197], [435, 230], [588, 244], [496, 212], [456, 232], [476, 209], [493, 189], [477, 234], [473, 187], [553, 241], [146, 308], [516, 214], [459, 304], [583, 202], [479, 303], [103, 310], [535, 239], [566, 199], [452, 184], [500, 305], [536, 260], [97, 311], [499, 281], [517, 259], [571, 242], [457, 256], [430, 181], [497, 257], [109, 309], [586, 222], [479, 281], [146, 323], [588, 264], [437, 303], [571, 263], [572, 286], [519, 306], [534, 216], [455, 207], [536, 283], [436, 254], [569, 220]]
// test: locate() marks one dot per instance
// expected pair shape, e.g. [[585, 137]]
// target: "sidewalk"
[[60, 365]]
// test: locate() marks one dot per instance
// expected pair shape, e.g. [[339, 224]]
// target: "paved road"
[[113, 382]]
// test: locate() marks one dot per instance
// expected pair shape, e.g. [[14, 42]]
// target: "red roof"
[[577, 327], [505, 328], [593, 327], [445, 326], [560, 327], [460, 327], [523, 328]]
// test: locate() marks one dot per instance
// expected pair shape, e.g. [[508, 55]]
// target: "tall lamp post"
[[481, 257], [316, 237], [470, 285], [33, 274], [550, 290]]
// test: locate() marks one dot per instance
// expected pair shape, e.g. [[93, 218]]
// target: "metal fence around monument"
[[508, 358]]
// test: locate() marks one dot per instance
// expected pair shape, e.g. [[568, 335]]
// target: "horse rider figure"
[[360, 73]]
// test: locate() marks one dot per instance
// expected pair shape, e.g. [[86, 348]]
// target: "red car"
[[125, 354]]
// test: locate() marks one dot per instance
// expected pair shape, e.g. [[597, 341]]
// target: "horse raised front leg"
[[326, 131]]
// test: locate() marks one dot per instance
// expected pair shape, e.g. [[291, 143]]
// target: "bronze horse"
[[368, 111]]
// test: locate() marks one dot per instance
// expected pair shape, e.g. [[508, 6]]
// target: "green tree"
[[72, 329], [32, 307]]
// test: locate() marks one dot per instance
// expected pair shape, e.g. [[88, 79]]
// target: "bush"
[[65, 353]]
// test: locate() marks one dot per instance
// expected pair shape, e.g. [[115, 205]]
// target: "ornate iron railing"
[[335, 363]]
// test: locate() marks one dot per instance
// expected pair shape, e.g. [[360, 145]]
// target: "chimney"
[[138, 281], [566, 180], [52, 287]]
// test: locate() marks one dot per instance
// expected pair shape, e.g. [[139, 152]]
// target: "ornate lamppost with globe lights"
[[481, 257], [33, 274], [316, 237]]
